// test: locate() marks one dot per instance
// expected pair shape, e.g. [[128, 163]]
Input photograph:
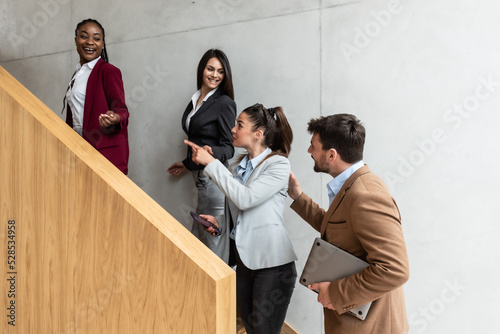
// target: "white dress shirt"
[[194, 100], [77, 91]]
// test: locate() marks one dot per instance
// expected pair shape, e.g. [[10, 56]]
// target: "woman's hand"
[[176, 168], [213, 221], [200, 156], [208, 149], [108, 119]]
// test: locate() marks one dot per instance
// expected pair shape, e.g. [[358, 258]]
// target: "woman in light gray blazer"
[[255, 200]]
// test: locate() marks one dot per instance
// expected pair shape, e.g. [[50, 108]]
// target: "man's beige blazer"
[[364, 220]]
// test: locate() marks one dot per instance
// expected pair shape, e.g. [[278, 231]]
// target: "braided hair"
[[104, 53]]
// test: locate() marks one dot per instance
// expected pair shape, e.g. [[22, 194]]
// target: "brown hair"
[[277, 132], [343, 132]]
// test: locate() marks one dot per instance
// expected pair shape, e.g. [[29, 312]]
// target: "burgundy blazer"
[[105, 92], [364, 220]]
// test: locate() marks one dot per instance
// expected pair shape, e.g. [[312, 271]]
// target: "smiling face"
[[89, 42], [318, 154], [213, 74]]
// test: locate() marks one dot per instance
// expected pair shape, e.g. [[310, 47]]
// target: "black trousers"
[[263, 296]]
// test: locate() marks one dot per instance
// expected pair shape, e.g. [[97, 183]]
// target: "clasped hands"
[[108, 119]]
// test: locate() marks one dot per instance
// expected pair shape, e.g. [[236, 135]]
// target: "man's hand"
[[323, 295], [294, 189]]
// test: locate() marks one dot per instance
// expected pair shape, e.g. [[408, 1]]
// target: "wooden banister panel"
[[89, 251]]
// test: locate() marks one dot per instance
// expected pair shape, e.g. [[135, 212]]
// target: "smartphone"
[[204, 222]]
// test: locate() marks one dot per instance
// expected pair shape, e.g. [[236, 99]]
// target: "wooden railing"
[[83, 249]]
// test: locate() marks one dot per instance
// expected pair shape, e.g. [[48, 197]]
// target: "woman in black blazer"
[[208, 120]]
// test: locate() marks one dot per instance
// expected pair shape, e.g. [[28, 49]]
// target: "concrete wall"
[[424, 76]]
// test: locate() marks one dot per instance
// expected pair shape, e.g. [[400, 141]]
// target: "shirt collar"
[[89, 64], [245, 163], [336, 184], [197, 95]]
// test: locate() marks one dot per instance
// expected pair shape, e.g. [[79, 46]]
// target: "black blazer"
[[211, 125]]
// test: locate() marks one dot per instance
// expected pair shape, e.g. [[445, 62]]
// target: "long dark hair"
[[227, 83], [104, 53], [277, 132]]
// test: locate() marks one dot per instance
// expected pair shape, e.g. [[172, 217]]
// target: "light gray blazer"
[[261, 238]]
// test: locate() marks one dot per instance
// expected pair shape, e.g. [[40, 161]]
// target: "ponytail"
[[277, 132], [281, 140]]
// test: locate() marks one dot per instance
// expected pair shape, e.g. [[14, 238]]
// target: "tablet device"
[[204, 222], [327, 263]]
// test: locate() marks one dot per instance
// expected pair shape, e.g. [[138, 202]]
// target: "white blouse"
[[77, 91], [194, 100]]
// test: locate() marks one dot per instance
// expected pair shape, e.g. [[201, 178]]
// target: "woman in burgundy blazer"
[[105, 115]]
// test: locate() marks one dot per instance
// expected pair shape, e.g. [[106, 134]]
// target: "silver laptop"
[[327, 263]]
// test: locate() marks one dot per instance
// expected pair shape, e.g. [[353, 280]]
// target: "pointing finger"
[[190, 143]]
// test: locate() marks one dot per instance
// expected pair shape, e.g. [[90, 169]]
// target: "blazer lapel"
[[256, 171], [205, 106], [340, 196], [90, 93], [185, 115]]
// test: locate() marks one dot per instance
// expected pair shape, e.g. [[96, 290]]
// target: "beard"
[[318, 168]]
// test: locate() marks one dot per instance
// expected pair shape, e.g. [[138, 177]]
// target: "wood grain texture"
[[287, 329], [93, 252]]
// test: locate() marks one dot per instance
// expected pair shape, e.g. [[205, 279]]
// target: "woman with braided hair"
[[255, 201], [95, 97]]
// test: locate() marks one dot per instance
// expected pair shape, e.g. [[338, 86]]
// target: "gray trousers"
[[211, 202]]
